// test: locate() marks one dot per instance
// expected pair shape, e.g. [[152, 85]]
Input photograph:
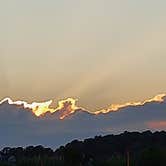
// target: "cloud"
[[19, 125], [68, 106]]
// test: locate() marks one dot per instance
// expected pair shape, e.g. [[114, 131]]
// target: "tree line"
[[126, 149]]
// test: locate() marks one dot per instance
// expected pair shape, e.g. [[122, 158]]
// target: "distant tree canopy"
[[140, 149]]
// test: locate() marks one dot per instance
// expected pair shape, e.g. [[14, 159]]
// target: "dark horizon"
[[128, 148]]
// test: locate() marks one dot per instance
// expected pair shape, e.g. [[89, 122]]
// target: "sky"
[[97, 51]]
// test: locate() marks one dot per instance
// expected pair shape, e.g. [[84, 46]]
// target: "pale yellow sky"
[[98, 51]]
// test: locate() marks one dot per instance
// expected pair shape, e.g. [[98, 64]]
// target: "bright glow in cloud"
[[68, 106], [116, 107]]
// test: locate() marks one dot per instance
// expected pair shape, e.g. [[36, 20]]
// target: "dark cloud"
[[19, 126]]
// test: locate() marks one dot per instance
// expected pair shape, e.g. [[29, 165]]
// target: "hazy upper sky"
[[99, 51]]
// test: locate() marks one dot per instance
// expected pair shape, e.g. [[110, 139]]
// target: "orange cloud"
[[157, 125]]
